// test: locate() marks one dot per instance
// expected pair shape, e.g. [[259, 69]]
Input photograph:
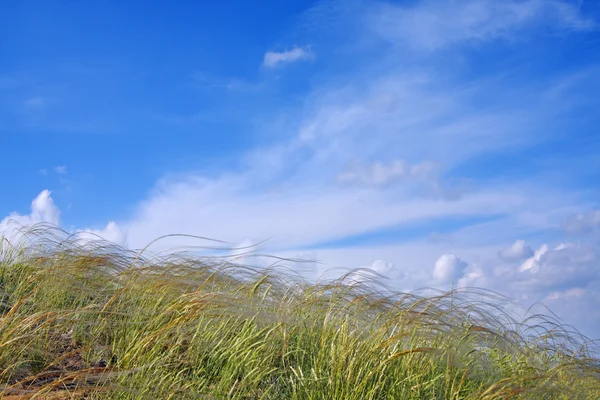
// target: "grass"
[[98, 321]]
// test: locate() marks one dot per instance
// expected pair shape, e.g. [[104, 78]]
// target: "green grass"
[[102, 322]]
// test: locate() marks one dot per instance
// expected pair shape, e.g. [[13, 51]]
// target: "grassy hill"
[[92, 320]]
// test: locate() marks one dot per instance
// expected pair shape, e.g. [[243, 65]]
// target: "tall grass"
[[93, 320]]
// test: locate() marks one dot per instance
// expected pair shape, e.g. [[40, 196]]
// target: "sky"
[[444, 143]]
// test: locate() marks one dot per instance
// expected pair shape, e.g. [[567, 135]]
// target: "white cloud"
[[448, 268], [274, 59], [43, 209], [432, 24], [112, 233], [567, 279], [227, 209], [381, 174], [377, 267], [516, 252], [382, 267], [473, 277], [532, 264], [563, 267]]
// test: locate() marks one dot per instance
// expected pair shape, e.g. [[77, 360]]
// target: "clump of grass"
[[93, 320]]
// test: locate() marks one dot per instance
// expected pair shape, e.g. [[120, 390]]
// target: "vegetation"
[[93, 320]]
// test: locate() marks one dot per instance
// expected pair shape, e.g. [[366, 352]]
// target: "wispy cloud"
[[532, 264], [381, 174], [432, 25], [274, 59], [448, 268]]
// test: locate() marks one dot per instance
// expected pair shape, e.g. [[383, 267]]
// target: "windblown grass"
[[92, 320]]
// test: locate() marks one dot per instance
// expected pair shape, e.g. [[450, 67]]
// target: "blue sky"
[[438, 143]]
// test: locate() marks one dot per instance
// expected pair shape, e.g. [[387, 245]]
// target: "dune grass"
[[93, 320]]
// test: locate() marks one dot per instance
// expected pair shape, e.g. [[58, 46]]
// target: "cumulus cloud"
[[582, 223], [516, 252], [274, 59], [563, 267], [112, 233], [432, 24], [448, 268], [567, 279], [43, 209], [565, 276], [377, 267], [382, 267], [473, 276]]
